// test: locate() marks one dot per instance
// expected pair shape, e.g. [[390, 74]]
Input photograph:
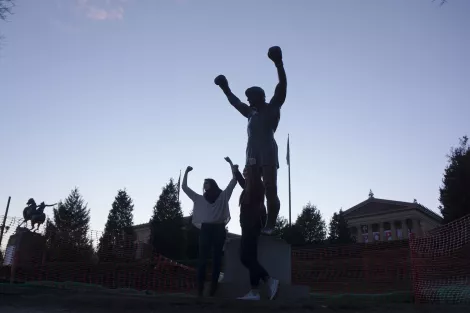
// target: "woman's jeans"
[[249, 254], [212, 237]]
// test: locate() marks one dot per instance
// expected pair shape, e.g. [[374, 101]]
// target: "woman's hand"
[[189, 169], [235, 168], [228, 160]]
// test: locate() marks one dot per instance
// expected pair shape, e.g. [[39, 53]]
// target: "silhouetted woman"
[[211, 214], [252, 220]]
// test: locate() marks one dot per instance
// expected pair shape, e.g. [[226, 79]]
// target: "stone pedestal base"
[[275, 256], [25, 250]]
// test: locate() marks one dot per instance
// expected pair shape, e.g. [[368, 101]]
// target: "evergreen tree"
[[311, 224], [117, 242], [455, 191], [166, 225], [293, 235], [279, 227], [67, 234], [339, 229]]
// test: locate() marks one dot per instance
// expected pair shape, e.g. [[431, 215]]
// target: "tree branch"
[[6, 7]]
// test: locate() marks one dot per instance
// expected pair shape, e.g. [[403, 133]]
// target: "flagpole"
[[288, 167], [179, 186]]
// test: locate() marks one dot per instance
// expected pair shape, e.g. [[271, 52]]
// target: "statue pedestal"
[[25, 250], [275, 256]]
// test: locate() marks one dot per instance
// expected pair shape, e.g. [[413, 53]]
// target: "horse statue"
[[28, 211], [38, 216]]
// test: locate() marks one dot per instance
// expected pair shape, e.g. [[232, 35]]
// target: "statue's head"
[[256, 96], [30, 201]]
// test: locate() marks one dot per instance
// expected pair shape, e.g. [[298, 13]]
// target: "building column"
[[424, 228], [404, 229], [370, 235], [359, 233], [394, 230], [381, 231], [419, 229]]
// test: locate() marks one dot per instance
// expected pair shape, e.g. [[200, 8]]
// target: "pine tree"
[[279, 227], [117, 242], [454, 193], [67, 234], [293, 235], [311, 224], [166, 225], [339, 229]]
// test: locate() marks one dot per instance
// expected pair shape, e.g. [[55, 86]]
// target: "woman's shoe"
[[251, 295], [273, 285]]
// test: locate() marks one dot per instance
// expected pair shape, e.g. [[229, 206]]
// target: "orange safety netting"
[[354, 268], [117, 261], [441, 264], [436, 267]]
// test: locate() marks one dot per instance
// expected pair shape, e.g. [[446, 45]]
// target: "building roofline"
[[407, 206]]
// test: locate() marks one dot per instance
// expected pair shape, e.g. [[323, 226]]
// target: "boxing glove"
[[221, 81], [275, 54]]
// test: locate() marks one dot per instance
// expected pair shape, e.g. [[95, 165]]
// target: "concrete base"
[[25, 248], [274, 255], [286, 292]]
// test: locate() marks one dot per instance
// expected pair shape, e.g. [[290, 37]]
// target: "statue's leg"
[[273, 204]]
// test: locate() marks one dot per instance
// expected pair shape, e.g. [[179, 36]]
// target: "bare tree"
[[6, 7], [442, 1]]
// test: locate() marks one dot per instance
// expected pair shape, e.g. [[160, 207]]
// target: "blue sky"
[[117, 94]]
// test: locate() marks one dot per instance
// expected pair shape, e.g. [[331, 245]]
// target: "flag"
[[179, 186], [288, 151]]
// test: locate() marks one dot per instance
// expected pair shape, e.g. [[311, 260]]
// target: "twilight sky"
[[117, 94]]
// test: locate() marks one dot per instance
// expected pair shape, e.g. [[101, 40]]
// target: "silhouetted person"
[[263, 119], [252, 215], [211, 214], [39, 217], [247, 216]]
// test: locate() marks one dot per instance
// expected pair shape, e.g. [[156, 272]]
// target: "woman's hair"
[[254, 187], [213, 192]]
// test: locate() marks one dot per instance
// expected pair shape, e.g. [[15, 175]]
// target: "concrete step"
[[286, 292]]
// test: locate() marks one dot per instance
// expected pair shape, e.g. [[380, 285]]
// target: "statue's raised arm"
[[275, 54], [243, 108]]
